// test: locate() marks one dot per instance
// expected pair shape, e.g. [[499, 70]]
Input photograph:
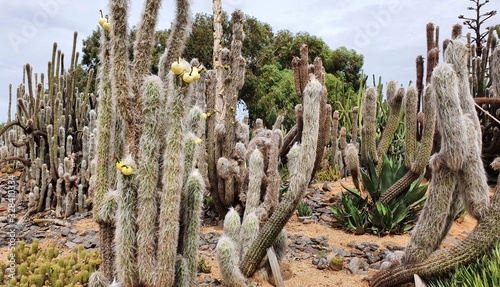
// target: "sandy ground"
[[303, 273], [297, 272]]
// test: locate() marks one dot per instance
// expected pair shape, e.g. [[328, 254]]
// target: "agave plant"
[[304, 210], [361, 211]]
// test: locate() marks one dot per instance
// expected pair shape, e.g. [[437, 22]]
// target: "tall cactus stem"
[[181, 28], [148, 175], [120, 77], [411, 109], [195, 187], [126, 228], [369, 129], [298, 183], [395, 100], [172, 185]]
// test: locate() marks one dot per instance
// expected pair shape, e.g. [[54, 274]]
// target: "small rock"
[[352, 244], [322, 263], [358, 266], [354, 265], [207, 279], [70, 244], [341, 252], [394, 248], [65, 231], [326, 187], [77, 240]]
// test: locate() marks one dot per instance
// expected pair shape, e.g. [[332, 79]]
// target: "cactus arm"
[[148, 176], [395, 103], [143, 47], [104, 157], [192, 220], [172, 185], [369, 129], [126, 228], [181, 28], [411, 108], [120, 78], [443, 261], [298, 183], [423, 152]]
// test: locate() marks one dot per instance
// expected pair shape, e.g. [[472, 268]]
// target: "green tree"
[[268, 89], [346, 64], [274, 94], [200, 43], [258, 39], [90, 50]]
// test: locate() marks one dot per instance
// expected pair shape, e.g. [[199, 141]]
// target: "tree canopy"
[[268, 88]]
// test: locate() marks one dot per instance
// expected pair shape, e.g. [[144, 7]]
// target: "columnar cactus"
[[301, 70], [148, 176], [53, 129], [299, 181], [222, 126], [158, 200], [459, 146], [395, 99], [369, 129]]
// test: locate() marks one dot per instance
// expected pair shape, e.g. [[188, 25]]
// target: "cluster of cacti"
[[482, 76], [148, 190], [458, 176], [233, 246], [302, 70], [227, 138], [53, 136], [243, 247], [416, 153], [39, 267]]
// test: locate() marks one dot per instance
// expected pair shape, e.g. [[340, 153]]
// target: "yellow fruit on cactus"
[[106, 26], [198, 141], [195, 73], [126, 170], [120, 164], [204, 116], [187, 78], [102, 21], [177, 68]]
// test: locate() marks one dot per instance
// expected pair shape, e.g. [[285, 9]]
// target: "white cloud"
[[390, 34]]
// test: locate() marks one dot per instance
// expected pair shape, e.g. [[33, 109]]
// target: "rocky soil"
[[313, 242]]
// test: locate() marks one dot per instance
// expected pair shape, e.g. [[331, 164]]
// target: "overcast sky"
[[390, 34]]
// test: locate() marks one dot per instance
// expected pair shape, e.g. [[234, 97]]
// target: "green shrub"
[[366, 214], [304, 210]]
